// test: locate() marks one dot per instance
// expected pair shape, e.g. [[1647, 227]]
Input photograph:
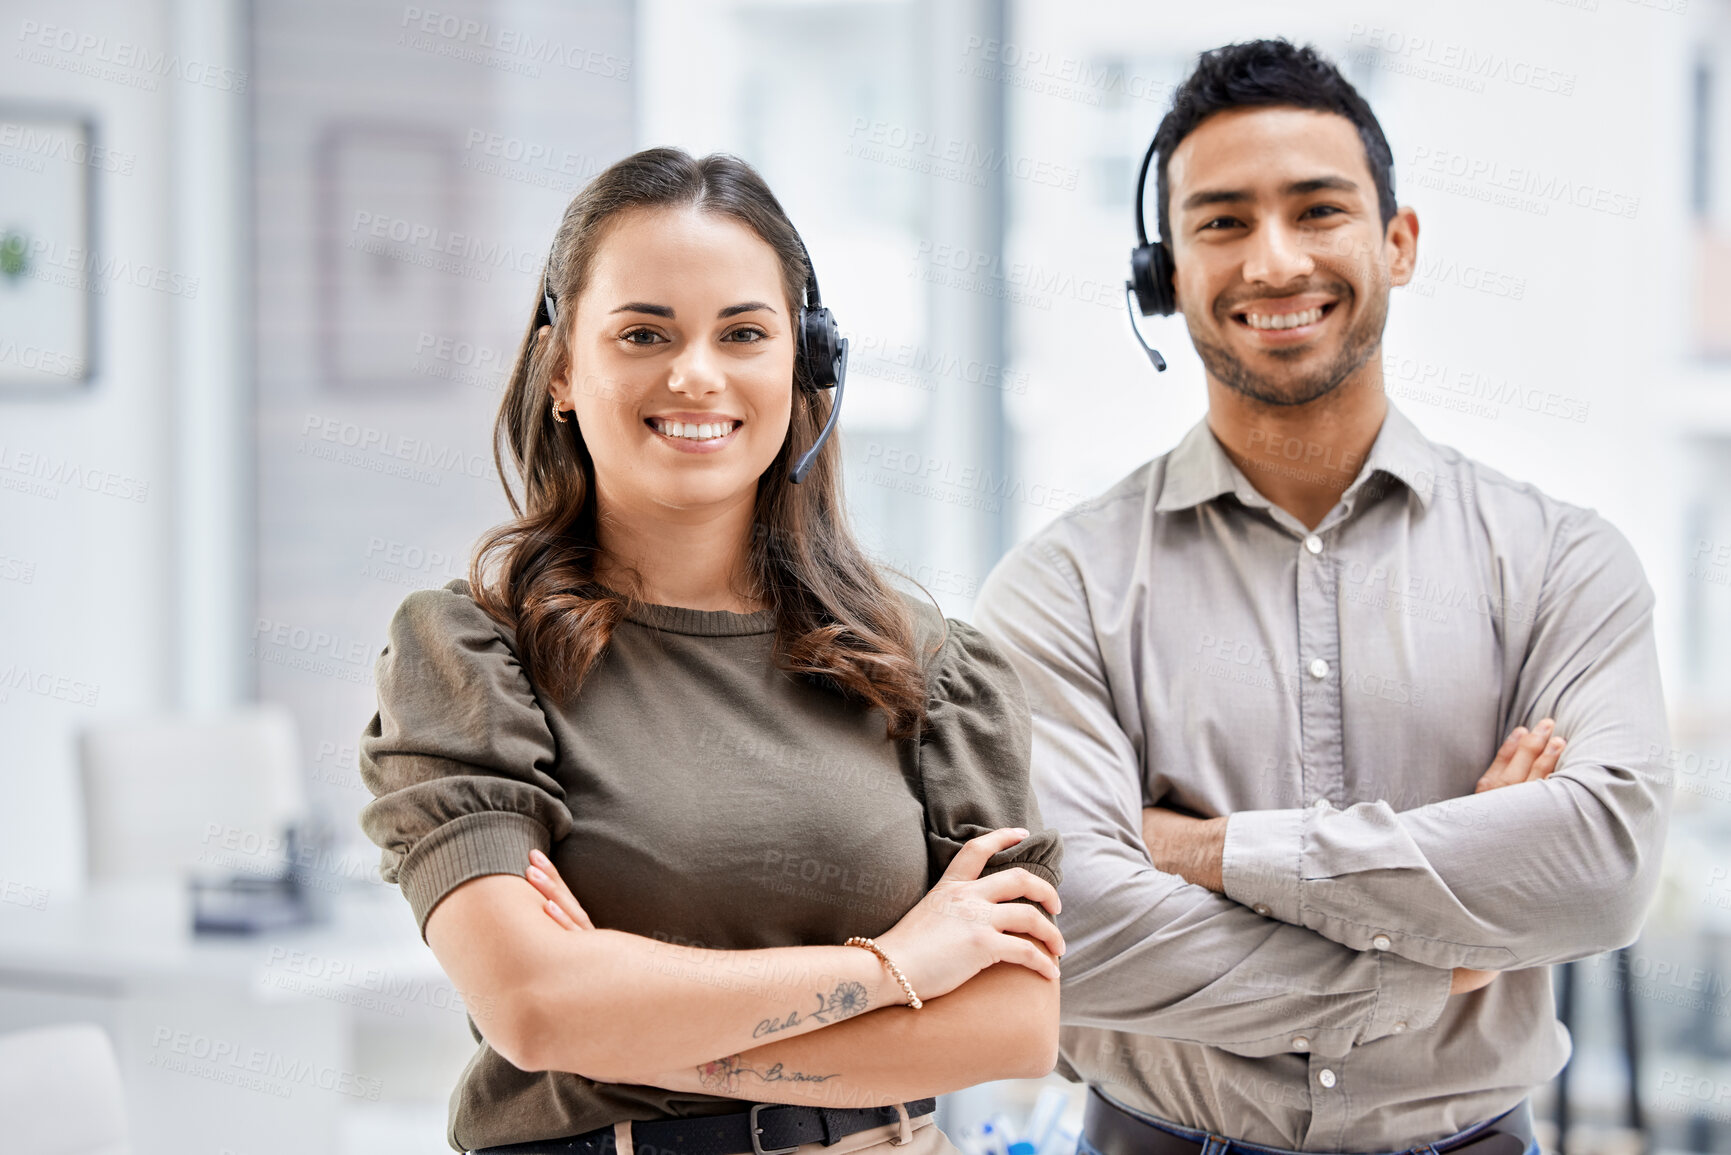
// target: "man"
[[1270, 668]]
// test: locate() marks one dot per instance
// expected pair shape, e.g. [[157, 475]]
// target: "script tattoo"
[[848, 999], [726, 1076]]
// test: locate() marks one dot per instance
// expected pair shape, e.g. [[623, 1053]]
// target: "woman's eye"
[[747, 335], [640, 336]]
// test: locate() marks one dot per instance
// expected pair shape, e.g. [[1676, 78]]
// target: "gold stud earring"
[[557, 415]]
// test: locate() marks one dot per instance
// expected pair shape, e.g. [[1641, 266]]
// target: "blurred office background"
[[263, 266]]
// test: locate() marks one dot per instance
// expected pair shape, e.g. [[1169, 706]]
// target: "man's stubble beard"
[[1362, 341]]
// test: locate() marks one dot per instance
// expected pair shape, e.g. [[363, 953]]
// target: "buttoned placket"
[[1322, 750], [1322, 757], [1319, 705]]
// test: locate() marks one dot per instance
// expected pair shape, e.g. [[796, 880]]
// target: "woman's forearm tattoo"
[[728, 1076], [845, 1001]]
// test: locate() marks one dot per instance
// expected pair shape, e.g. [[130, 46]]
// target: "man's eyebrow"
[[1296, 188]]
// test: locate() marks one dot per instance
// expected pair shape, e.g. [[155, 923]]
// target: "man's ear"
[[1400, 245]]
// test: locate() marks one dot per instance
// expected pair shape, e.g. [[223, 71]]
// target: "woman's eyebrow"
[[667, 310]]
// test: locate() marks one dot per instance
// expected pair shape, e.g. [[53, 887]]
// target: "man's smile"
[[1284, 321]]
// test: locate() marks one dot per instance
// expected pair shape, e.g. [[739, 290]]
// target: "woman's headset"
[[1150, 280], [820, 352]]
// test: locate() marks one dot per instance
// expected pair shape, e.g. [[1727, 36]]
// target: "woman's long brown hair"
[[838, 623]]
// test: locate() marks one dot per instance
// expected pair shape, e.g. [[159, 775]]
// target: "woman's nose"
[[696, 371]]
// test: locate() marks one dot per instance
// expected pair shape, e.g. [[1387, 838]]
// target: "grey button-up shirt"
[[1338, 693]]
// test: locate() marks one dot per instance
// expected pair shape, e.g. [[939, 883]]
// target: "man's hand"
[[1466, 979], [1192, 848], [1525, 756]]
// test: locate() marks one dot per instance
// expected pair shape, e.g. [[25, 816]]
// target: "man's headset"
[[820, 357], [1150, 271]]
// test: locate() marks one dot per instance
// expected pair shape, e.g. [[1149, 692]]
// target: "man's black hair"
[[1260, 73]]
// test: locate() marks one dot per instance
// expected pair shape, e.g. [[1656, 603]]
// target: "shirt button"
[[1325, 1077], [1300, 1043], [1399, 1027], [1381, 942], [1261, 908], [1313, 544], [1318, 668]]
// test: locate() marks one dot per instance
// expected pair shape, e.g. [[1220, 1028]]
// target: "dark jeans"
[[1237, 1147]]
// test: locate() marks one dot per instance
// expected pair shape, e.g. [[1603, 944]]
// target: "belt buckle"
[[757, 1147]]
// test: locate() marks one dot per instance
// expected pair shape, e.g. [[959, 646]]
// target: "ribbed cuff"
[[485, 842]]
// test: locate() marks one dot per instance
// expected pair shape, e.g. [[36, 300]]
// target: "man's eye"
[[1219, 221], [1323, 209]]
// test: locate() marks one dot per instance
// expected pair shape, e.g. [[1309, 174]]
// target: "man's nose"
[[1277, 256]]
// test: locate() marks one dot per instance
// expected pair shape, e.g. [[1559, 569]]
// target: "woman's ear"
[[559, 385]]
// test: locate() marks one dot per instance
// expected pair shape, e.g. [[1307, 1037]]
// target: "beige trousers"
[[916, 1136]]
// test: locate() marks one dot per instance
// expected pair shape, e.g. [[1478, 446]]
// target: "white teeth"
[[1283, 320], [708, 431]]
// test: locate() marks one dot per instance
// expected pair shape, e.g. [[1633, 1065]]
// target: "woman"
[[761, 810]]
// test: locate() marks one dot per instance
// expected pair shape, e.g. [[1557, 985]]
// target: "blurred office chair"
[[60, 1092], [207, 795]]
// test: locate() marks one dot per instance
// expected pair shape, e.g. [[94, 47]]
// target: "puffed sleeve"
[[459, 756], [974, 758]]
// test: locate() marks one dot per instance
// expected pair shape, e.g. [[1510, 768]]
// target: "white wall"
[[100, 605]]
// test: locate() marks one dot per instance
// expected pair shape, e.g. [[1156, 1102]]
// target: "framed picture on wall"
[[48, 283], [388, 218]]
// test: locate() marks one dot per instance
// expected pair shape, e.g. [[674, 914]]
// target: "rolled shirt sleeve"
[[459, 756], [1524, 875], [1148, 952], [974, 759]]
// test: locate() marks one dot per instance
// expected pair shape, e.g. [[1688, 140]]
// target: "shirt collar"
[[1198, 470]]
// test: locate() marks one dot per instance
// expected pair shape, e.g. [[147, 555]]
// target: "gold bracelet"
[[907, 988]]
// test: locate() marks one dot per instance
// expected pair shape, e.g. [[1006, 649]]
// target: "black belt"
[[766, 1129], [1114, 1131]]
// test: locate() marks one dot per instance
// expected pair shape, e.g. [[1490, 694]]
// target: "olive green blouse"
[[691, 792]]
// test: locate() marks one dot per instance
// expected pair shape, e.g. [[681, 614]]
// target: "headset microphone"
[[820, 354], [1150, 283]]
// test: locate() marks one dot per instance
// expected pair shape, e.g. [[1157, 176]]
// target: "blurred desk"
[[248, 1045]]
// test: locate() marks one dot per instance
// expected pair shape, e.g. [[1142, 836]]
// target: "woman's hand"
[[966, 923], [561, 905]]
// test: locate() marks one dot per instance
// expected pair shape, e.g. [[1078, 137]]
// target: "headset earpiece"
[[1151, 279], [820, 361], [819, 344]]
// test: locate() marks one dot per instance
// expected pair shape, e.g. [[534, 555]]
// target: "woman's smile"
[[695, 432]]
